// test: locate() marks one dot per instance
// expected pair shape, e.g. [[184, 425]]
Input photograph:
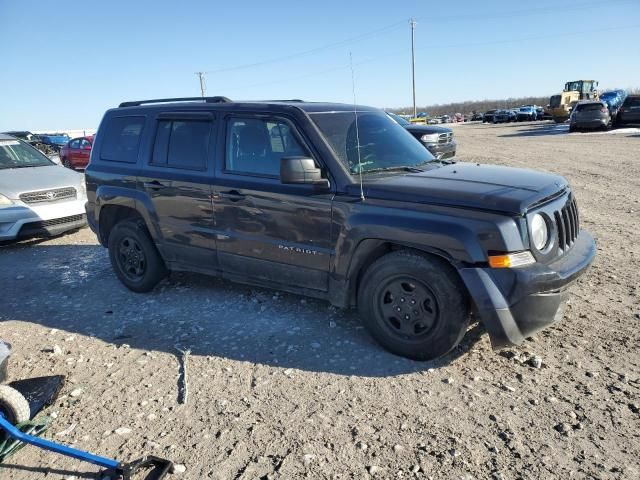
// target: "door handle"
[[232, 195], [155, 185]]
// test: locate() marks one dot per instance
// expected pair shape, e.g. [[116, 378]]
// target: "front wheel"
[[414, 306], [134, 257], [66, 163]]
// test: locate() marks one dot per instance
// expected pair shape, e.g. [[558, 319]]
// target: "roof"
[[223, 103], [4, 136]]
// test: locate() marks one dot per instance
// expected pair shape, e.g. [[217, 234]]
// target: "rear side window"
[[122, 139], [182, 144]]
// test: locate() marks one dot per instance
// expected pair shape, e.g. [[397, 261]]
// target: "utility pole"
[[412, 22], [202, 84]]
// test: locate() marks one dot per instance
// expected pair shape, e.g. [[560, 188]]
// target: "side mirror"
[[297, 170]]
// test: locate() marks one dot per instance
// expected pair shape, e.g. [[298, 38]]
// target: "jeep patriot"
[[335, 202]]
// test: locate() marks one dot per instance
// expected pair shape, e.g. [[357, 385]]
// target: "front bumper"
[[43, 220], [442, 150], [515, 303]]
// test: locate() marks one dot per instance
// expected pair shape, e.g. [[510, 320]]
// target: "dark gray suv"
[[336, 203]]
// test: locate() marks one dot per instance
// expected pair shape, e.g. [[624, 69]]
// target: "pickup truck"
[[336, 202]]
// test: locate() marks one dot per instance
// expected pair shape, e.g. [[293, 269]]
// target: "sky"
[[65, 62]]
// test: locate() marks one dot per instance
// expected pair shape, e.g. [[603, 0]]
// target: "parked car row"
[[525, 113], [605, 114]]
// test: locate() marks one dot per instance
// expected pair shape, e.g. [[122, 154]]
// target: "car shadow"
[[46, 471], [72, 288], [541, 129]]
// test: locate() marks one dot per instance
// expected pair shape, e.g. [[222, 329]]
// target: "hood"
[[468, 185], [14, 181], [422, 129]]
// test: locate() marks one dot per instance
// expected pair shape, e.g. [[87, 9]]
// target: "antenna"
[[355, 113]]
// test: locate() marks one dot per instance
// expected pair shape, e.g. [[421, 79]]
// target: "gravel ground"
[[279, 386]]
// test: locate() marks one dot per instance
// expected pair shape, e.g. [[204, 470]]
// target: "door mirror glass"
[[297, 170]]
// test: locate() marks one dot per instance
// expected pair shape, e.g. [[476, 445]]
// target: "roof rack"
[[136, 103]]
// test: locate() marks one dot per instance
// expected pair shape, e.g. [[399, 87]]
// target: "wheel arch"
[[370, 250], [110, 215]]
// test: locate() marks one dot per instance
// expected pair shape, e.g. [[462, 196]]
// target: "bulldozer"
[[561, 105]]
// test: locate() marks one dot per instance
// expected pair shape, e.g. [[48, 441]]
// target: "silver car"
[[37, 197], [589, 115]]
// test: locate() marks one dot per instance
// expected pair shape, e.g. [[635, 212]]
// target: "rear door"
[[83, 153], [72, 154], [268, 231], [178, 181]]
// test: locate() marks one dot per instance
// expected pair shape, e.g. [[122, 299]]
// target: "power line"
[[519, 13], [431, 19], [430, 47], [311, 51]]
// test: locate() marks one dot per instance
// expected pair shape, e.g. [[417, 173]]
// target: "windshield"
[[399, 119], [15, 154], [384, 145]]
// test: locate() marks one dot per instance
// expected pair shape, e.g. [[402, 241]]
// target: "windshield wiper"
[[403, 168]]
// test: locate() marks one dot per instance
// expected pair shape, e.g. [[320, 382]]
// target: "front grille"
[[49, 196], [444, 138], [567, 224]]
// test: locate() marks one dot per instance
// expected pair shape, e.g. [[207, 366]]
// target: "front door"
[[178, 181], [267, 231]]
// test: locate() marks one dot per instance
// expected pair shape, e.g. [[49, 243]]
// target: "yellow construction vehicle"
[[561, 105]]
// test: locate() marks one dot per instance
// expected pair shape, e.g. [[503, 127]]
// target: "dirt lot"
[[285, 387]]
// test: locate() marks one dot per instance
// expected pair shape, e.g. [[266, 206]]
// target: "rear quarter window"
[[121, 139]]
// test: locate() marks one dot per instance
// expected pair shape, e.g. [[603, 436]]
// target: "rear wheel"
[[414, 306], [134, 257]]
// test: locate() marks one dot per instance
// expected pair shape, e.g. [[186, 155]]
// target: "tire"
[[66, 164], [441, 311], [13, 405], [134, 257]]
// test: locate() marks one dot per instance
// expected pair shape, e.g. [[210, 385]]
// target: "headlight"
[[539, 232], [83, 188], [430, 137], [4, 201]]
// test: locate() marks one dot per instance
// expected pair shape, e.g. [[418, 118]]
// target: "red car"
[[75, 154]]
